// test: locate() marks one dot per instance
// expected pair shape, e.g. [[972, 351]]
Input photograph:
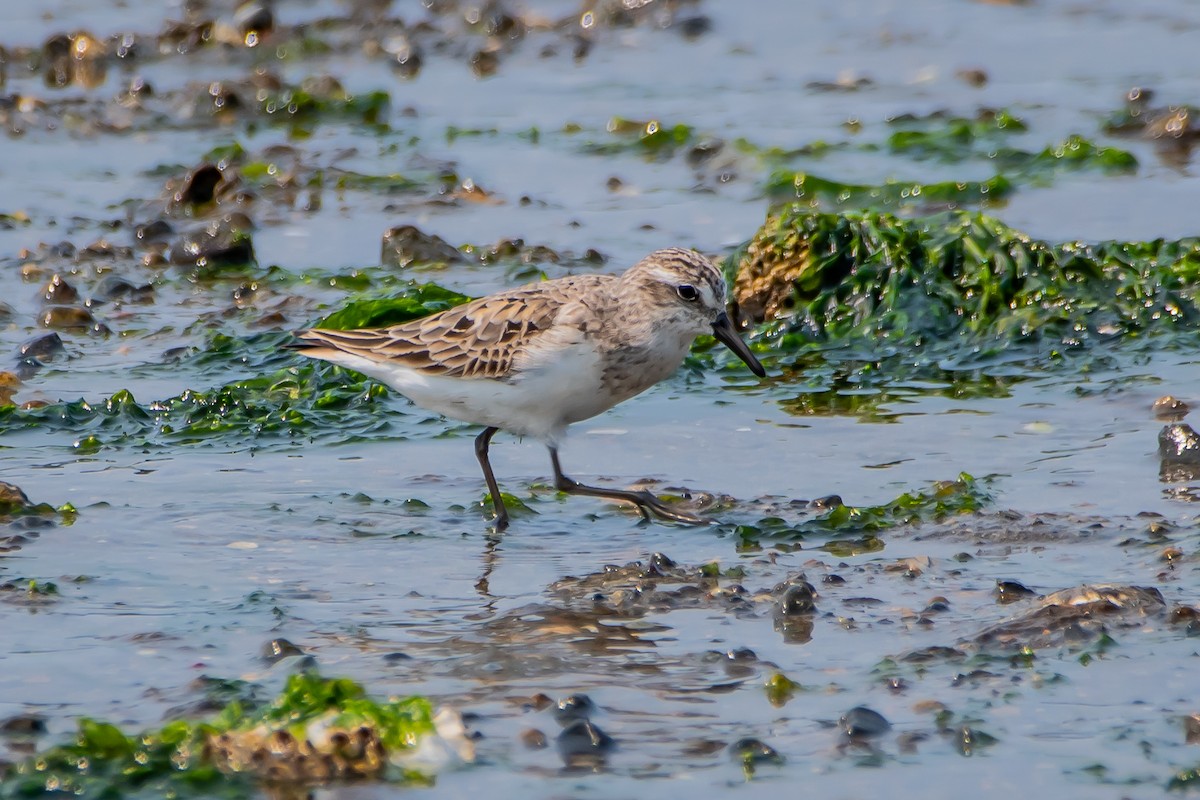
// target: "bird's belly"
[[537, 402], [540, 401]]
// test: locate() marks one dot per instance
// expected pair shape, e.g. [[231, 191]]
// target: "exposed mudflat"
[[184, 184]]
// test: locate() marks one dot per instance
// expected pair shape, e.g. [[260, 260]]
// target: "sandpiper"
[[532, 360]]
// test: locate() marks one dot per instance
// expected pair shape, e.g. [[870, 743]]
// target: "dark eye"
[[688, 293]]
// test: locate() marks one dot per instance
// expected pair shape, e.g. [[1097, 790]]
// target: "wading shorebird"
[[535, 359]]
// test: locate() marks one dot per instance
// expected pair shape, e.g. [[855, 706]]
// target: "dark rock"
[[43, 347], [112, 288], [830, 501], [533, 739], [58, 292], [967, 740], [12, 498], [662, 562], [582, 744], [200, 185], [23, 725], [279, 649], [407, 57], [861, 722], [126, 47], [972, 76], [103, 249], [26, 368], [219, 243], [61, 250], [1179, 442], [754, 751], [798, 599], [694, 27], [742, 655], [581, 46], [937, 605], [221, 98], [516, 249], [574, 707], [927, 655], [406, 244], [254, 19], [157, 231], [498, 22], [1012, 591], [1139, 97], [703, 152], [56, 55], [71, 318], [484, 63]]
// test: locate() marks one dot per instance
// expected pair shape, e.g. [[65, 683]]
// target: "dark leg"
[[481, 452], [645, 502]]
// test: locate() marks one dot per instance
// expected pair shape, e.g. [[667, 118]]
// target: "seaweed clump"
[[317, 731], [958, 277]]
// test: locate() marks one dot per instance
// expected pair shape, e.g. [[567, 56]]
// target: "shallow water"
[[186, 560]]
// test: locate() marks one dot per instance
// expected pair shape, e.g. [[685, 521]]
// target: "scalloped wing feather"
[[479, 339]]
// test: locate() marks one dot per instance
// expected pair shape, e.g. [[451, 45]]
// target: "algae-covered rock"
[[834, 276], [317, 732]]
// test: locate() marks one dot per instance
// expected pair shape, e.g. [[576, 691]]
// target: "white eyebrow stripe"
[[665, 275]]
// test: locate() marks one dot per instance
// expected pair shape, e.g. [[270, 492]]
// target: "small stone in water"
[[694, 27], [59, 292], [754, 751], [582, 742], [157, 231], [1170, 408], [484, 63], [23, 725], [1012, 591], [861, 722], [71, 318], [741, 655], [254, 18], [798, 599], [533, 739], [43, 347], [1179, 442], [907, 742], [406, 244], [11, 497], [661, 561], [279, 649], [114, 287], [200, 185], [574, 707], [968, 740]]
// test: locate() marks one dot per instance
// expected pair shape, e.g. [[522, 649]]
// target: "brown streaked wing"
[[480, 339]]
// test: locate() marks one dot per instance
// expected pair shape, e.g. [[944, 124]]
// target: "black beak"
[[726, 335]]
